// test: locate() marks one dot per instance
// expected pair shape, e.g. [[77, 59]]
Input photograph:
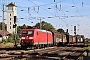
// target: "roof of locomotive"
[[36, 29]]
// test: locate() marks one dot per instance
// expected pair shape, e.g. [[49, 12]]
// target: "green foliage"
[[18, 29], [11, 39], [21, 27], [17, 38], [61, 30], [3, 41], [82, 36], [45, 26], [24, 26], [1, 26]]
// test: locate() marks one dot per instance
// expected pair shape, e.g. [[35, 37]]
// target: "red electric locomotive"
[[36, 37], [41, 38]]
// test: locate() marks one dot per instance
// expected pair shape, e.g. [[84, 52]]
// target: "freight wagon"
[[70, 39], [74, 39], [59, 38]]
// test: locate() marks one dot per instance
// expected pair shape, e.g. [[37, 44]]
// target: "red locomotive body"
[[34, 36]]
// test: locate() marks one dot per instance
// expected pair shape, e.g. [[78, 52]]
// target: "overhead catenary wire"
[[28, 11], [46, 10], [41, 5], [59, 8], [77, 9], [52, 3], [79, 12], [82, 4], [44, 5]]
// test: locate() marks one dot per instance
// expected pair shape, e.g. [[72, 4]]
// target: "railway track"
[[50, 53]]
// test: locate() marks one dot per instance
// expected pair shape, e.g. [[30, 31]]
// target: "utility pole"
[[2, 2], [40, 18], [3, 26], [40, 24]]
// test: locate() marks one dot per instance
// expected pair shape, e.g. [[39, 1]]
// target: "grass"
[[3, 45], [9, 45]]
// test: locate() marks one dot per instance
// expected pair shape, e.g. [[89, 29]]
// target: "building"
[[5, 35], [11, 10]]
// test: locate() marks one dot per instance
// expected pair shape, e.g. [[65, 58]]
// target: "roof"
[[5, 33], [11, 4]]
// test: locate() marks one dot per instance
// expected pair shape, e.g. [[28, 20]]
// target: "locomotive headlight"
[[22, 41], [30, 37], [23, 38]]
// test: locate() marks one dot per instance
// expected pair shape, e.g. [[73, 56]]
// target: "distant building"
[[11, 11], [5, 35]]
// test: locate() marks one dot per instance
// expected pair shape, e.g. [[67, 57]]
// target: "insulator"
[[54, 0], [82, 4], [38, 9], [60, 6]]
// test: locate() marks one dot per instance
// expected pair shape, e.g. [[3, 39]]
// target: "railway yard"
[[35, 38], [49, 53]]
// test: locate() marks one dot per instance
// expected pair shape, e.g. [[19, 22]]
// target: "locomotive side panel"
[[44, 37], [41, 38], [49, 37]]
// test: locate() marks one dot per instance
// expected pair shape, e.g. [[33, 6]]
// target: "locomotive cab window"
[[31, 32], [24, 33]]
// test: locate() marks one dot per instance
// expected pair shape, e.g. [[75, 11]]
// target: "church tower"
[[11, 10]]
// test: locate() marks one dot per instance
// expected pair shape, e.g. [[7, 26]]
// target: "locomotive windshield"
[[31, 32]]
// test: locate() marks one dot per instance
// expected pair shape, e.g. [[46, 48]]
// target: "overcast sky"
[[65, 13]]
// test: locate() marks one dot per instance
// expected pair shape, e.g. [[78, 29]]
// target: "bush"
[[11, 39], [4, 41]]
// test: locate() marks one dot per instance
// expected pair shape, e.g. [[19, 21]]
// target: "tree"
[[61, 30], [24, 26], [82, 36], [21, 27], [18, 29], [0, 26], [45, 26], [4, 25]]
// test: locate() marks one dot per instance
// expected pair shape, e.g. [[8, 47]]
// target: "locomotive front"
[[27, 38]]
